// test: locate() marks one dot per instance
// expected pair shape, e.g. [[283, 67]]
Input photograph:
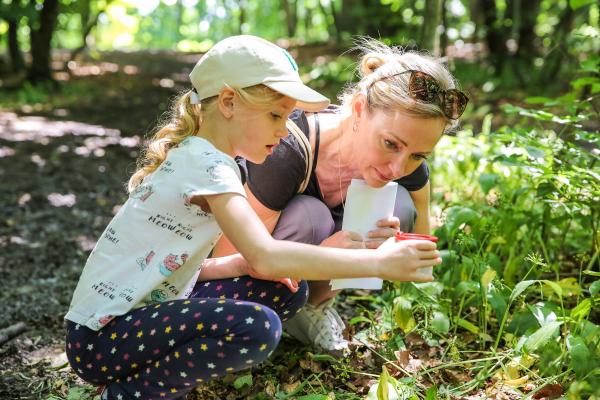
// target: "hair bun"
[[370, 62]]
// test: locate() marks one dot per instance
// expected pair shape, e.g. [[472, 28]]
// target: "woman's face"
[[392, 145]]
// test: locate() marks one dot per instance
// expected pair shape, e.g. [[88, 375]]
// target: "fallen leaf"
[[550, 391]]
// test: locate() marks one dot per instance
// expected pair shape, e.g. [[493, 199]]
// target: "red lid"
[[414, 236]]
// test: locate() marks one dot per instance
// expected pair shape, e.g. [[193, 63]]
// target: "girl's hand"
[[403, 261], [344, 240], [386, 228], [291, 283]]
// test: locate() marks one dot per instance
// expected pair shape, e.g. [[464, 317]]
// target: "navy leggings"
[[163, 351]]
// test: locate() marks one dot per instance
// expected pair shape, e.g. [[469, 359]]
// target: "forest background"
[[514, 310]]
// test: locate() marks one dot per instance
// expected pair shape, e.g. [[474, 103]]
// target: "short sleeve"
[[278, 179], [203, 170], [417, 179]]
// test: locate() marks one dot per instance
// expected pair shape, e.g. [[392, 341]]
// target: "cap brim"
[[307, 98]]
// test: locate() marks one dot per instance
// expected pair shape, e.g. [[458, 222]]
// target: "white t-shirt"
[[153, 249]]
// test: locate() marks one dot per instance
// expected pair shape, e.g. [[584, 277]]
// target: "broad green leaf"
[[467, 325], [535, 152], [384, 381], [555, 287], [403, 316], [497, 299], [244, 380], [440, 322], [580, 355], [323, 357], [542, 336], [595, 288], [537, 100], [570, 287], [487, 182], [519, 288], [76, 393], [431, 393], [458, 215], [359, 319], [582, 310]]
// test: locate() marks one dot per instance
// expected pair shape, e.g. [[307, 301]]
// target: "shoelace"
[[334, 326]]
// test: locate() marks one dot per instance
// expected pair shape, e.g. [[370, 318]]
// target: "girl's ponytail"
[[183, 120]]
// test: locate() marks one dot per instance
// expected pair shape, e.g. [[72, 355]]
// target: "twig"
[[11, 332]]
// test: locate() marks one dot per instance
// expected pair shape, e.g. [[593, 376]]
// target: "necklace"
[[340, 170]]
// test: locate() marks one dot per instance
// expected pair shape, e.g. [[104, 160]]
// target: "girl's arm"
[[421, 200], [276, 258], [267, 216]]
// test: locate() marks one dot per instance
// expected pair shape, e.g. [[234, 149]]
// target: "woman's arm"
[[421, 199], [276, 258]]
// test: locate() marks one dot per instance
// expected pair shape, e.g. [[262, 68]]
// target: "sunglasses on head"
[[423, 87]]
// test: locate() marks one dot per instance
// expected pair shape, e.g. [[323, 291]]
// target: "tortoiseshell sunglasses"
[[423, 87]]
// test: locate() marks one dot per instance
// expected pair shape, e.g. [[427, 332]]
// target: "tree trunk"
[[87, 24], [41, 37], [526, 49], [17, 63], [477, 18], [347, 20], [495, 39], [556, 59], [430, 37], [307, 20], [444, 34], [336, 22], [331, 28], [291, 16], [242, 17]]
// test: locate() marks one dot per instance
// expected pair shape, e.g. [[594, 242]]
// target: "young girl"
[[139, 322]]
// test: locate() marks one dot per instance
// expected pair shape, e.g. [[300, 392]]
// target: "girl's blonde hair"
[[184, 119], [389, 93]]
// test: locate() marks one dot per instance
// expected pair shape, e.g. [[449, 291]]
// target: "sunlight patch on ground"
[[39, 129]]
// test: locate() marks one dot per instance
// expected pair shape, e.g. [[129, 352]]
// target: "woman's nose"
[[399, 166]]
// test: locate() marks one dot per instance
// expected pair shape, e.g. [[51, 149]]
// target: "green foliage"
[[520, 207]]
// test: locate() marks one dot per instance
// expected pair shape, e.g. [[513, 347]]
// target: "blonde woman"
[[139, 322], [384, 130]]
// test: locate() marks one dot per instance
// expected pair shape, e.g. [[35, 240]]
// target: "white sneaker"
[[320, 326]]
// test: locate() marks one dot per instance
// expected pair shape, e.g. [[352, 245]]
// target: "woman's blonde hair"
[[389, 92], [183, 120]]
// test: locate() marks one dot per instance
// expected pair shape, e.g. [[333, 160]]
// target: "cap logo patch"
[[291, 60]]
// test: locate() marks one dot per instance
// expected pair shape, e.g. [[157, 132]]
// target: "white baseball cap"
[[242, 61]]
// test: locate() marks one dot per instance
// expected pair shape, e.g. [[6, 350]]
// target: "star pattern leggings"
[[163, 351]]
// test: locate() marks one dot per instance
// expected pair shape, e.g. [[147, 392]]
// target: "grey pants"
[[307, 219]]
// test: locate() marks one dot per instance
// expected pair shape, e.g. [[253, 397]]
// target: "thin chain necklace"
[[340, 169]]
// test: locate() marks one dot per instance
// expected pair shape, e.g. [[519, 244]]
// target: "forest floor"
[[64, 160]]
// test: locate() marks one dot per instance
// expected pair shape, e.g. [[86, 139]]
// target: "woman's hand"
[[404, 260], [344, 240], [386, 228]]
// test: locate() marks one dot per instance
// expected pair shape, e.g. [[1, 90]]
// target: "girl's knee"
[[266, 334]]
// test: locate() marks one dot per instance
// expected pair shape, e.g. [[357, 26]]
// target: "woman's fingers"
[[382, 233], [391, 222]]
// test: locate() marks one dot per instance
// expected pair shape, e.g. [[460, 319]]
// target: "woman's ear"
[[359, 107], [226, 102]]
